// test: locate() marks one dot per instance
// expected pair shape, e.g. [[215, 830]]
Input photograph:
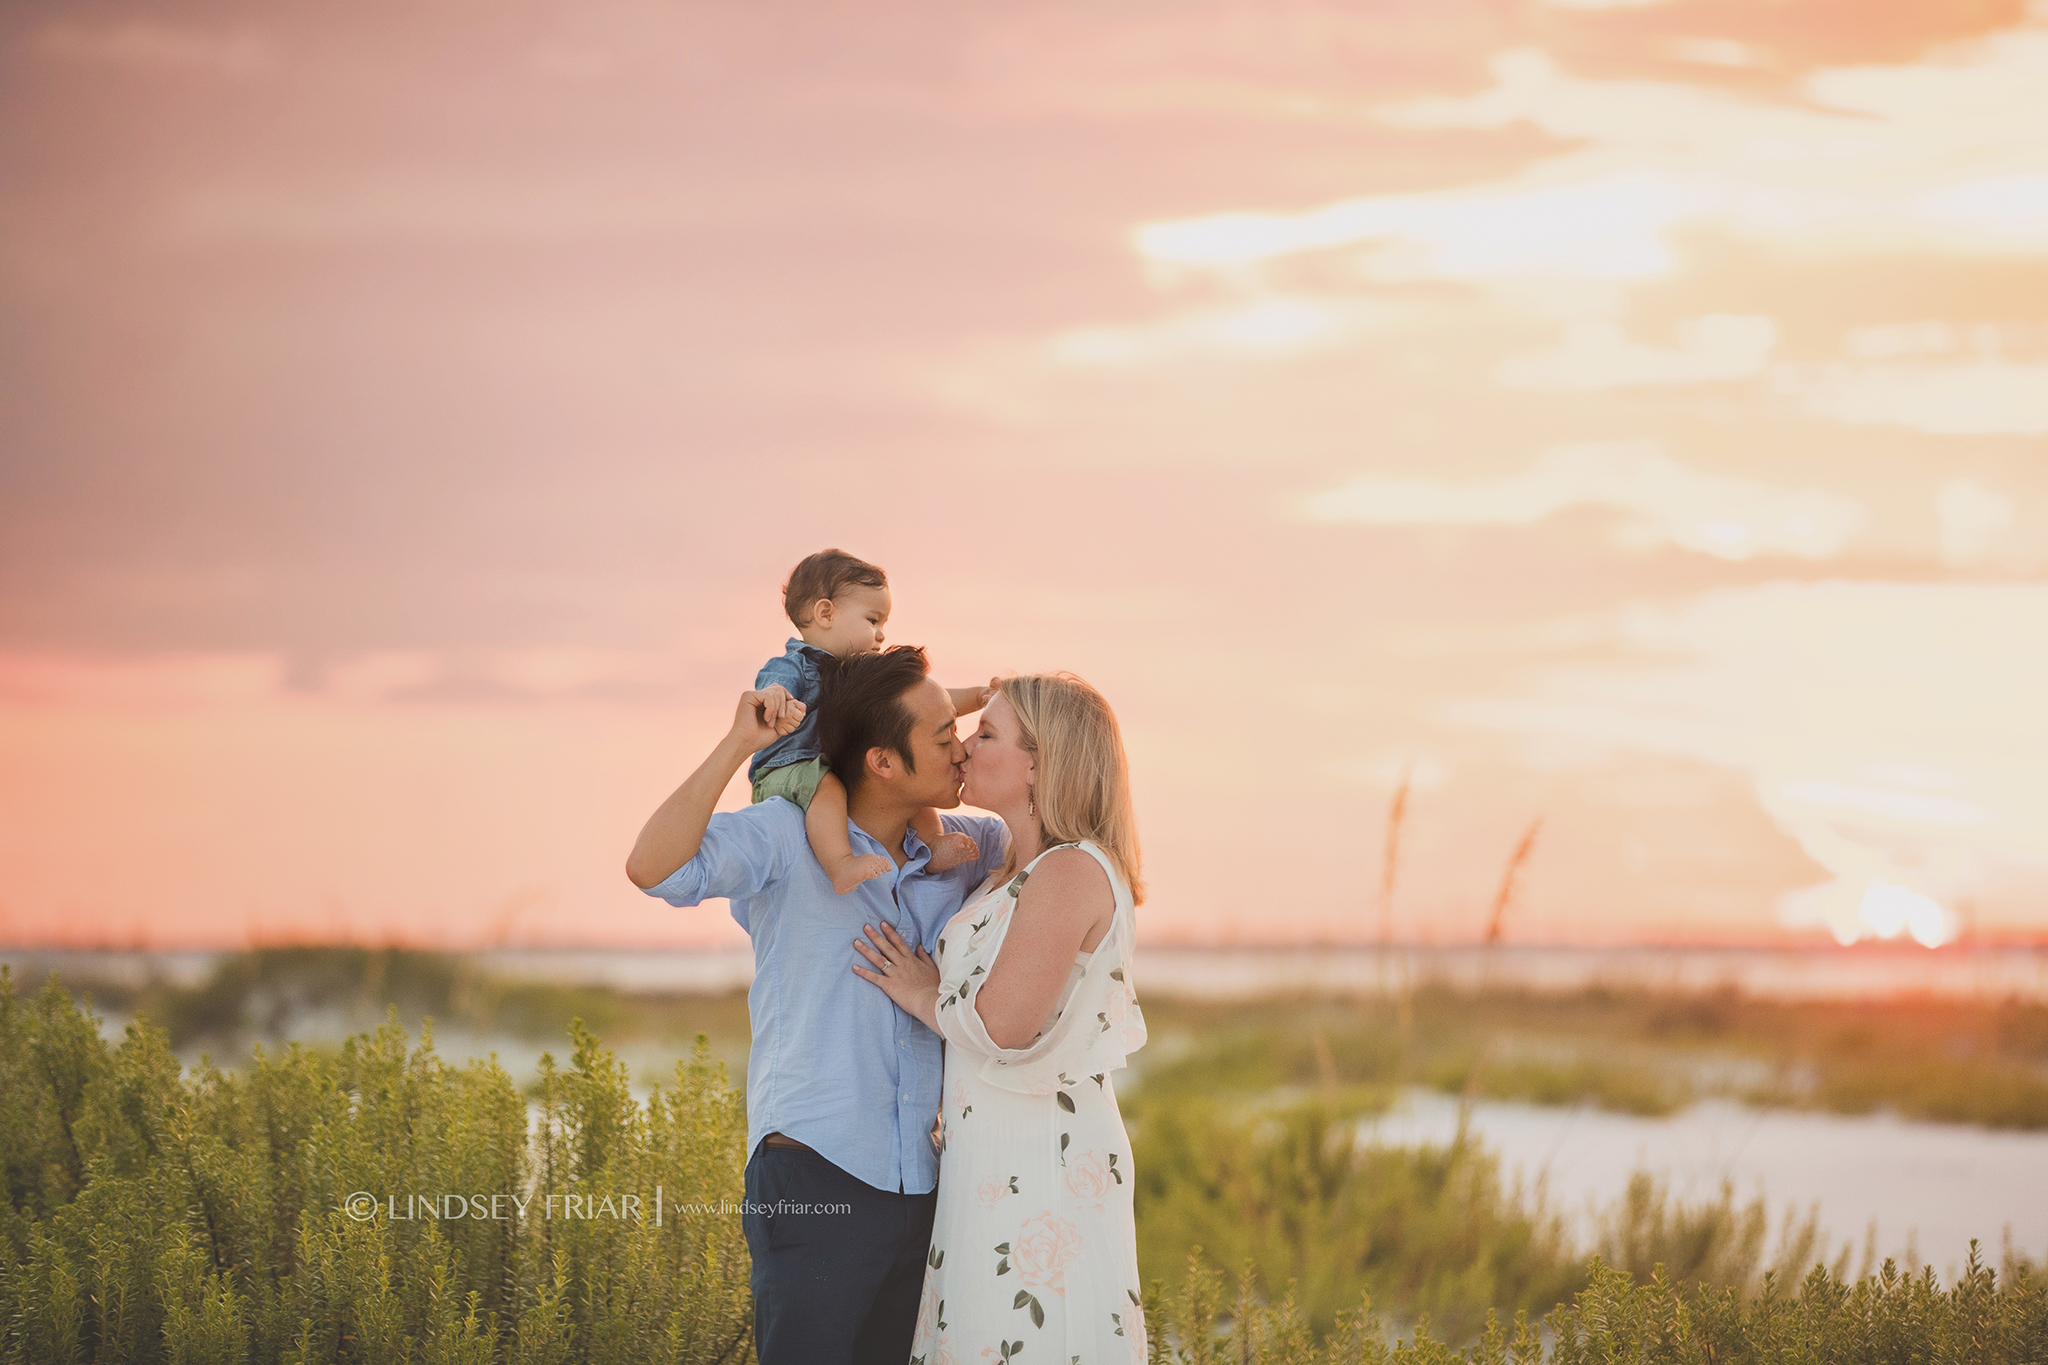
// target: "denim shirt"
[[834, 1063], [797, 669]]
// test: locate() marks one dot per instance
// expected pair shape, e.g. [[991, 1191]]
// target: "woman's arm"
[[1065, 907]]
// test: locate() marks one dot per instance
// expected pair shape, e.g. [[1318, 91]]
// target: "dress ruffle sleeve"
[[1093, 1036]]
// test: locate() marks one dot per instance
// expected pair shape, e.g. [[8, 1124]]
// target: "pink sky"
[[1632, 416]]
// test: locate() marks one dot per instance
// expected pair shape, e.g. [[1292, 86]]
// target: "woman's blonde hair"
[[1084, 786]]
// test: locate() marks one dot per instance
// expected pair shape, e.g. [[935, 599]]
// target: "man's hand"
[[674, 833], [765, 716]]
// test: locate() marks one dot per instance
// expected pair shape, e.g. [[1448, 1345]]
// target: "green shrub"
[[1621, 1087], [1885, 1319], [158, 1214], [1297, 1195]]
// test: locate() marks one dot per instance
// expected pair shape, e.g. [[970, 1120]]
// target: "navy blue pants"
[[838, 1287]]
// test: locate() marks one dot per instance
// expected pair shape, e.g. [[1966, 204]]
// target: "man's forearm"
[[673, 834]]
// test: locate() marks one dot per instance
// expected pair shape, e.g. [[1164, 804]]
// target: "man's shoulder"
[[987, 831], [976, 825], [774, 816]]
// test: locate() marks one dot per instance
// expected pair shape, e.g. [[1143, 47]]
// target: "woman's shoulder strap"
[[1117, 886], [1048, 851]]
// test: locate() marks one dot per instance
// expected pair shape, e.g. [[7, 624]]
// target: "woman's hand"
[[907, 975]]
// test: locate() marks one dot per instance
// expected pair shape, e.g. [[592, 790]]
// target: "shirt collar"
[[915, 854], [798, 645]]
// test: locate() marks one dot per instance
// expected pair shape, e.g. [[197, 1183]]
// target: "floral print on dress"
[[1042, 1249], [994, 1190], [1116, 1008], [1130, 1325], [1089, 1179], [931, 1337], [1054, 1285]]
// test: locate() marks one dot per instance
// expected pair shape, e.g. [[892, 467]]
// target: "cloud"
[[146, 45], [372, 678], [1731, 518], [1713, 52], [1974, 398], [2004, 205], [1893, 377], [1607, 229], [396, 205], [1862, 799], [1866, 897], [1597, 354], [1974, 520], [1865, 162], [1265, 326], [1893, 730]]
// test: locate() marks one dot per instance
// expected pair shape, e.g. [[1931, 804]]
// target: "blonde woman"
[[1034, 1246]]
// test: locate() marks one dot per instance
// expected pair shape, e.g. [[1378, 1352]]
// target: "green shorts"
[[795, 783]]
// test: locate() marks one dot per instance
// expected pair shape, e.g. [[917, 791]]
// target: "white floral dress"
[[1034, 1255]]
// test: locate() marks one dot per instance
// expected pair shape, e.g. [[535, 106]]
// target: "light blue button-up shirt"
[[834, 1063]]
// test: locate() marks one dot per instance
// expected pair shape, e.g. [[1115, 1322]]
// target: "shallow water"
[[1868, 969], [1936, 1184], [1227, 972]]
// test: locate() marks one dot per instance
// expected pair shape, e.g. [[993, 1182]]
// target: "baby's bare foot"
[[858, 868], [951, 850]]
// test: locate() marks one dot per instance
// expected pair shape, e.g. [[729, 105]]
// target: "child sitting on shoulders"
[[838, 605]]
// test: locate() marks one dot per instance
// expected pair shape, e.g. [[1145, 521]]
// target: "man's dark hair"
[[861, 707], [823, 575]]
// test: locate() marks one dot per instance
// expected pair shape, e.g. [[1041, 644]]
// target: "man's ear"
[[881, 763]]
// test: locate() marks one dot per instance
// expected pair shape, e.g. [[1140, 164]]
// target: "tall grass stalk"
[[1495, 924], [1390, 862]]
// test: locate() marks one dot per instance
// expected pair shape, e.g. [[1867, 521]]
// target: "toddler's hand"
[[758, 715], [765, 716]]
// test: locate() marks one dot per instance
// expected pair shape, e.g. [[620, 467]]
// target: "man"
[[842, 1087]]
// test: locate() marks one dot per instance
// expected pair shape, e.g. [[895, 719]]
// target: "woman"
[[1034, 1247]]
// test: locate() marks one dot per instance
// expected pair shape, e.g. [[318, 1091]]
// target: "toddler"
[[838, 605]]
